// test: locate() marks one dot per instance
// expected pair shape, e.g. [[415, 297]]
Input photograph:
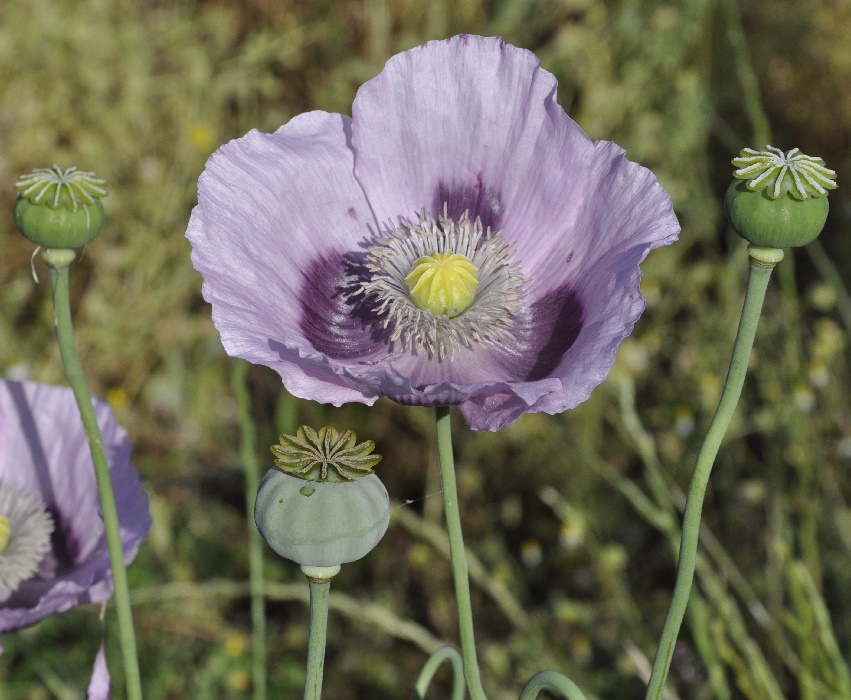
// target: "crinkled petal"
[[625, 211], [473, 122], [628, 215], [44, 449], [275, 215]]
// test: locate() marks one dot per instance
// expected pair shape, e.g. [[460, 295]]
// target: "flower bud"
[[778, 200], [322, 506], [59, 208]]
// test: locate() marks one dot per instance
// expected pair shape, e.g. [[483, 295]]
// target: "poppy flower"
[[460, 240], [55, 554]]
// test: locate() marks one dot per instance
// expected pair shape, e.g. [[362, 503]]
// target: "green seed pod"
[[778, 200], [321, 523], [322, 506], [59, 208]]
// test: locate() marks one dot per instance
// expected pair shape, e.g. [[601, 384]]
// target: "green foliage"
[[574, 519]]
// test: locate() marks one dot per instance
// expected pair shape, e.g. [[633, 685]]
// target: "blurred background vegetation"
[[572, 519]]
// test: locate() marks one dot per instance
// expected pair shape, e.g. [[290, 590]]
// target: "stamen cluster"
[[488, 319], [29, 528]]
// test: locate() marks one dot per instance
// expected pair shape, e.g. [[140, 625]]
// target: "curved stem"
[[58, 264], [248, 457], [319, 591], [446, 653], [457, 556], [760, 273], [554, 680]]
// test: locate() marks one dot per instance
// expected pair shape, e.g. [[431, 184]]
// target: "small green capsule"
[[778, 200], [59, 208]]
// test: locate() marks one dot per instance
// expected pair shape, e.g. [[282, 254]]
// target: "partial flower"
[[100, 687], [45, 462], [459, 240]]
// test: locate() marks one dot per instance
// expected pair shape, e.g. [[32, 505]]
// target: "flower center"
[[443, 283], [25, 529]]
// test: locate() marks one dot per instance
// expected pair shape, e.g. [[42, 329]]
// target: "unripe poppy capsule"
[[778, 200], [322, 506], [59, 208]]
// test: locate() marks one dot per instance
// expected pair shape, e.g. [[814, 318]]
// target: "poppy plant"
[[459, 241], [54, 555]]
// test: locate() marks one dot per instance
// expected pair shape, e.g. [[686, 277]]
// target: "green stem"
[[58, 262], [319, 590], [446, 653], [554, 680], [457, 555], [760, 272], [250, 468]]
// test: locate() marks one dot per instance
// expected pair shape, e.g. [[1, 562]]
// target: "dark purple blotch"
[[543, 333], [334, 317], [475, 197]]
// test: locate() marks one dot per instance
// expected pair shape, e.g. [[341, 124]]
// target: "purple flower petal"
[[100, 684], [285, 222], [44, 449], [276, 212], [473, 122]]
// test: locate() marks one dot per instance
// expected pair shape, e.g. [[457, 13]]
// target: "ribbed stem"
[[457, 555], [250, 468], [58, 262], [760, 272]]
